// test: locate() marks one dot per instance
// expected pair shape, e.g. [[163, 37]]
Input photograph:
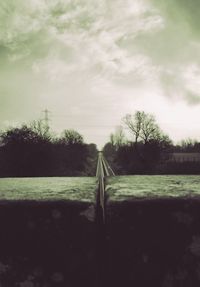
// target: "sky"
[[90, 62]]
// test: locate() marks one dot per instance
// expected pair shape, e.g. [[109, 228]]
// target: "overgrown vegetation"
[[148, 150], [31, 150], [138, 146]]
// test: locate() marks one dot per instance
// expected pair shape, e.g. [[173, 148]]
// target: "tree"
[[134, 123], [30, 151], [118, 138], [24, 153], [19, 136], [143, 126], [40, 128], [189, 145], [91, 159], [149, 128], [71, 137]]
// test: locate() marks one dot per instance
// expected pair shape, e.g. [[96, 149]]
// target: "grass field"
[[126, 187], [83, 189], [53, 188]]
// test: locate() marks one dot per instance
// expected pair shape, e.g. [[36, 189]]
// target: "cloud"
[[81, 57], [92, 31], [182, 12], [192, 98]]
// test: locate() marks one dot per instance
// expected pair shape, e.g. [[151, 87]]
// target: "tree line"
[[148, 149], [138, 146], [32, 150]]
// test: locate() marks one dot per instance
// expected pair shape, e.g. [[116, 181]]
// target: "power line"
[[92, 126]]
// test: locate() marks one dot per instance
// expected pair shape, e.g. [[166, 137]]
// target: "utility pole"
[[46, 119]]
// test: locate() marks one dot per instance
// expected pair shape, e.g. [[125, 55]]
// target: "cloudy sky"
[[92, 61]]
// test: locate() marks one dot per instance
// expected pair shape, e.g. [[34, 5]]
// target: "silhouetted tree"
[[144, 154], [188, 145], [143, 126], [91, 162], [24, 152], [31, 151], [71, 137], [134, 123]]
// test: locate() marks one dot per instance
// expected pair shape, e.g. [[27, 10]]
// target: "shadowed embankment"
[[153, 237], [49, 243]]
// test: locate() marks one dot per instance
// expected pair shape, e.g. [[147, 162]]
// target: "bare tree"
[[134, 123], [40, 128], [149, 128], [143, 126], [118, 138]]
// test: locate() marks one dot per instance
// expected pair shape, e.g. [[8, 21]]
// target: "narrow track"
[[103, 170]]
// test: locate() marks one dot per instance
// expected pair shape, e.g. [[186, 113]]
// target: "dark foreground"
[[153, 231], [154, 243], [148, 240], [47, 244]]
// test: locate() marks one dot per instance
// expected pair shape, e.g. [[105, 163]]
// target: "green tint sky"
[[92, 61]]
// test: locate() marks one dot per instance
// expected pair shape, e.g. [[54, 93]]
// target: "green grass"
[[53, 188], [163, 186]]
